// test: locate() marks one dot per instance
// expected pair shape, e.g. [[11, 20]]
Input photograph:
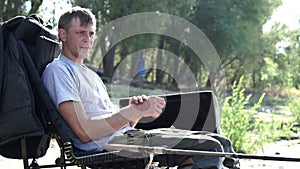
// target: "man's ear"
[[62, 34]]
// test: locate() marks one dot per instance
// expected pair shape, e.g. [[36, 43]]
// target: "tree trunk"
[[159, 63], [35, 6], [133, 65], [108, 62], [17, 6], [119, 66]]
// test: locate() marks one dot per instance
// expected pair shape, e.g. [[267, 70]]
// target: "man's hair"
[[85, 16]]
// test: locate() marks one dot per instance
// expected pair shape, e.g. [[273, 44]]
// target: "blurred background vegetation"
[[234, 27], [268, 62]]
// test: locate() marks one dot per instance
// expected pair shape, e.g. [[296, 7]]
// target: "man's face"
[[78, 39]]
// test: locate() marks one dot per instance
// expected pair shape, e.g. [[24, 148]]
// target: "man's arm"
[[87, 129]]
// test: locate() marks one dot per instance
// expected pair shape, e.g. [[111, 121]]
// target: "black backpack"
[[26, 47]]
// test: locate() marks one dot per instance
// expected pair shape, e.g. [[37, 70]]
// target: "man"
[[82, 99]]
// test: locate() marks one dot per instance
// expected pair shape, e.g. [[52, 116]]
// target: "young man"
[[82, 99]]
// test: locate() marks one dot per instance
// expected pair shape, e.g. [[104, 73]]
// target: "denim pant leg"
[[193, 142], [204, 144]]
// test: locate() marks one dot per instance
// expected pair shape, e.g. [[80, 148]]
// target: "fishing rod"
[[163, 150]]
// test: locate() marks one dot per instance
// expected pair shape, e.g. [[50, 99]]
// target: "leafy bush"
[[294, 106], [239, 123]]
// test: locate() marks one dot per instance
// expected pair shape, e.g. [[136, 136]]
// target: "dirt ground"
[[283, 148]]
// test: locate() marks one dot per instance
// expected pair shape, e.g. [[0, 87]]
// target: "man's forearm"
[[102, 127]]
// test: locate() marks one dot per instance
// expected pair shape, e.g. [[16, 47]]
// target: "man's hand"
[[138, 99], [151, 106]]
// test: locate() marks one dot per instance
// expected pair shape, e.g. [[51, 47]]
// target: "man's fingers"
[[159, 106], [162, 101], [138, 99], [156, 115], [145, 97]]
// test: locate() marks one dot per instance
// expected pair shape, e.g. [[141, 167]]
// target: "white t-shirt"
[[66, 80]]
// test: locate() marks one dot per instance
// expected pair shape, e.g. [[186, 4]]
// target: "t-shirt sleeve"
[[60, 84]]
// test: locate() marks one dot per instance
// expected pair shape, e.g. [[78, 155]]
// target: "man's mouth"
[[86, 48]]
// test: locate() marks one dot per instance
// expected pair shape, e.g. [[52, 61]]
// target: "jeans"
[[178, 139]]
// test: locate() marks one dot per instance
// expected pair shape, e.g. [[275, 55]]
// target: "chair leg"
[[24, 153], [63, 160]]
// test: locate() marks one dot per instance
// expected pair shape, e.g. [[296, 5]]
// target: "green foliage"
[[280, 65], [239, 123], [234, 27], [294, 105], [12, 8]]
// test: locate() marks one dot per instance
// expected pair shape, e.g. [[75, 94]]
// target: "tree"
[[12, 8], [235, 29], [281, 58]]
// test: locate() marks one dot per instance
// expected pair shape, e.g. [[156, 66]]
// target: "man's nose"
[[88, 38]]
